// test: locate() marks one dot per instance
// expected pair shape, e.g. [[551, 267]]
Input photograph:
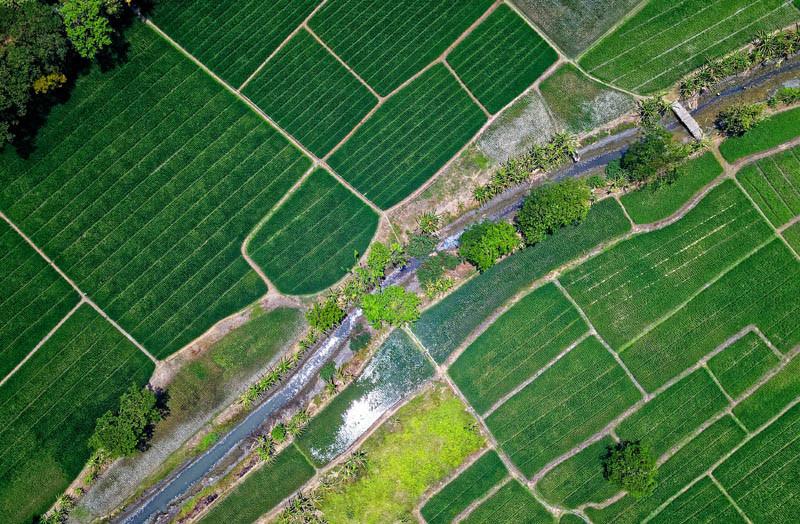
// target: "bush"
[[121, 434], [632, 467], [328, 372], [383, 257], [785, 96], [420, 246], [551, 207], [431, 274], [360, 340], [429, 222], [651, 110], [596, 181], [740, 118], [278, 433], [654, 156], [394, 305], [325, 315], [484, 243]]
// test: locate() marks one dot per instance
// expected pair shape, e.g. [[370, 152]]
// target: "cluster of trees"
[[631, 466], [740, 118], [653, 160], [41, 46], [121, 433]]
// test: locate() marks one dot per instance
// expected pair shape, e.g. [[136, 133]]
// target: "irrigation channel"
[[159, 502]]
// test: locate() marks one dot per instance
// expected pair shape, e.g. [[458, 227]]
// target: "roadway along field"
[[774, 185], [49, 406], [34, 298], [310, 94], [308, 244], [232, 38], [666, 40], [145, 203], [501, 58], [386, 43], [409, 138]]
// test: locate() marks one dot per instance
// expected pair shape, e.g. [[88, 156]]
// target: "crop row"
[[510, 504], [579, 479], [308, 244], [501, 58], [792, 236], [570, 401], [763, 290], [49, 408], [310, 94], [741, 364], [774, 185], [636, 282], [766, 401], [703, 501], [388, 42], [409, 138], [519, 343], [231, 37], [446, 325]]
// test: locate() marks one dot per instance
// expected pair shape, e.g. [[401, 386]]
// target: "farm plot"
[[666, 40], [49, 406], [690, 462], [636, 282], [501, 58], [575, 24], [472, 484], [572, 400], [409, 138], [310, 94], [581, 104], [702, 503], [579, 479], [774, 185], [34, 298], [446, 325], [308, 244], [651, 204], [792, 236], [396, 370], [770, 398], [763, 290], [762, 475], [512, 503], [386, 43], [231, 38], [146, 202], [741, 364], [263, 489], [771, 132], [519, 343]]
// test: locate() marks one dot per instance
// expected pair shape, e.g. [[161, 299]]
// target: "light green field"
[[742, 363], [702, 503], [579, 479], [512, 504], [770, 133], [774, 185]]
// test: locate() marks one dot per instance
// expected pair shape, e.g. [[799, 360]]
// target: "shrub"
[[740, 118], [122, 433], [551, 207], [394, 305], [325, 315], [328, 371], [360, 340], [484, 243], [632, 467], [278, 433], [785, 96], [651, 110], [429, 222], [596, 181], [654, 156], [420, 246], [434, 267]]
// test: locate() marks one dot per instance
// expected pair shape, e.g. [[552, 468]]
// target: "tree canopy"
[[394, 305], [484, 243], [632, 467], [551, 207], [654, 156], [122, 433]]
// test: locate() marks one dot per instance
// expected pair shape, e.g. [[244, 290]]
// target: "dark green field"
[[579, 479], [773, 131], [512, 504], [774, 185]]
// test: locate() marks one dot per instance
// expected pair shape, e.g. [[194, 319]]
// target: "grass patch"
[[425, 440], [770, 398], [473, 483], [633, 284], [397, 369], [702, 503], [232, 38], [501, 58], [446, 325], [579, 102], [518, 344], [388, 42], [572, 400], [665, 40], [409, 138], [653, 203], [771, 132], [742, 363], [512, 504], [34, 298], [310, 94], [763, 290], [48, 409], [263, 489], [774, 185], [308, 244], [145, 202]]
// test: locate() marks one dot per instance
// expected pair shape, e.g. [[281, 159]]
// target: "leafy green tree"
[[632, 467], [383, 257], [324, 316], [121, 434], [740, 118], [654, 156], [87, 25], [651, 110], [483, 243], [551, 207], [393, 305]]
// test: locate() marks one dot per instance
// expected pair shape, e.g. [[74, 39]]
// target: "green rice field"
[[579, 479], [774, 185], [702, 503], [512, 503], [35, 298], [310, 94], [49, 406], [769, 399], [741, 364], [388, 42], [665, 40], [501, 58], [308, 243], [409, 138], [792, 236], [231, 38], [773, 131]]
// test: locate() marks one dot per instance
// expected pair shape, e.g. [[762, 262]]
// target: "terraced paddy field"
[[665, 40]]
